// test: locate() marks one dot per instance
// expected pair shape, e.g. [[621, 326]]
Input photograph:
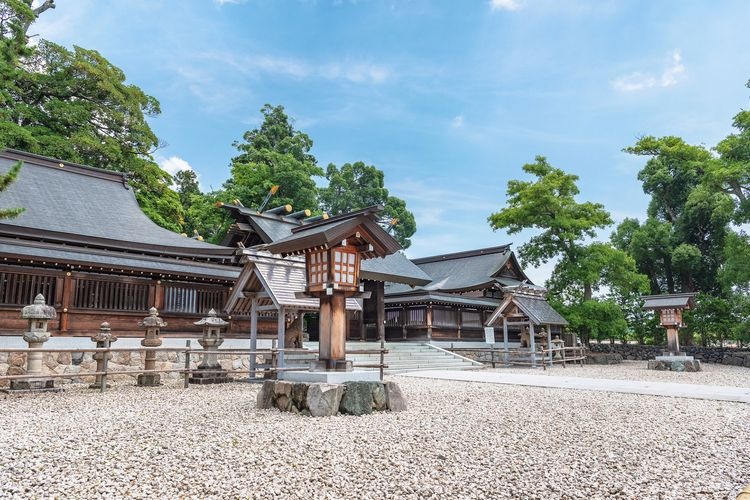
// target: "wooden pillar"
[[429, 321], [532, 344], [673, 340], [459, 319], [253, 335], [67, 300], [159, 295], [280, 333], [405, 315], [362, 330], [549, 343], [380, 309], [505, 342], [333, 331]]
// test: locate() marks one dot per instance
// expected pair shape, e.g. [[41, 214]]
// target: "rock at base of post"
[[689, 365], [210, 376], [46, 385], [324, 400], [149, 380]]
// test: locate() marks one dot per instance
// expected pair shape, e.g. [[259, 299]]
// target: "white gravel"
[[457, 440], [712, 374]]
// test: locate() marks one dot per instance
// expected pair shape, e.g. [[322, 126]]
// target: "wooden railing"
[[267, 370], [523, 357]]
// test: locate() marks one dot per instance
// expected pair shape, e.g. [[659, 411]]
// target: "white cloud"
[[174, 164], [457, 122], [224, 2], [504, 5], [637, 81]]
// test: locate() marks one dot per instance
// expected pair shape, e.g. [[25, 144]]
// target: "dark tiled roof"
[[539, 310], [74, 203], [464, 271], [84, 258], [440, 298], [668, 301]]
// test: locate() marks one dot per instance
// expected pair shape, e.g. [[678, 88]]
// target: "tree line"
[[692, 239], [76, 106]]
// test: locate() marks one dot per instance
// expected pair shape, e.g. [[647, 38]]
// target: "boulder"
[[378, 398], [299, 396], [265, 396], [394, 398], [357, 398], [17, 359], [323, 400]]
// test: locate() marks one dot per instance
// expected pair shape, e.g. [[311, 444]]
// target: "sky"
[[449, 98]]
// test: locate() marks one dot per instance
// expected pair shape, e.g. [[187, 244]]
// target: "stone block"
[[299, 395], [149, 380], [64, 358], [378, 397], [16, 370], [394, 398], [357, 398], [17, 359], [266, 395], [323, 400]]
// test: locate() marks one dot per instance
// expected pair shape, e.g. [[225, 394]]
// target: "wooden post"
[[281, 332], [380, 308], [459, 319], [429, 322], [187, 365], [549, 343], [506, 355], [532, 344], [67, 296], [253, 336], [405, 314]]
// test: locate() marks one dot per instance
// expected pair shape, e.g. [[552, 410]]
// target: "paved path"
[[715, 392]]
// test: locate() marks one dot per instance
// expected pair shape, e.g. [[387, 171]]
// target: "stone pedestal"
[[330, 377], [323, 400], [675, 363]]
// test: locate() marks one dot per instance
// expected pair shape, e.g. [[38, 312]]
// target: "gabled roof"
[[669, 301], [467, 271], [535, 307], [272, 227], [422, 297], [75, 204], [279, 280]]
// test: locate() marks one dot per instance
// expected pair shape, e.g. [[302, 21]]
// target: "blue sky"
[[448, 98]]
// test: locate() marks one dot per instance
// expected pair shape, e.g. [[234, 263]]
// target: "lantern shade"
[[336, 268]]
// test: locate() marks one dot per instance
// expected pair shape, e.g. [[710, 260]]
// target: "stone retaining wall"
[[723, 355], [75, 363]]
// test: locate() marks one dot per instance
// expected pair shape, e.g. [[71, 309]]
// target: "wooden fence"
[[268, 370], [523, 357]]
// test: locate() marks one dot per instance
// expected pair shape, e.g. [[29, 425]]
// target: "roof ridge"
[[463, 255], [57, 164]]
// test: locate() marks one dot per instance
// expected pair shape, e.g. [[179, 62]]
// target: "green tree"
[[548, 203], [274, 154], [357, 185], [5, 181], [76, 106]]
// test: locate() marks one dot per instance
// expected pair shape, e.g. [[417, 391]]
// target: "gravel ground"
[[712, 374], [457, 440]]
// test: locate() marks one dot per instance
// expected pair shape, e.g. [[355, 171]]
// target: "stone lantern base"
[[149, 380], [205, 376], [42, 385], [675, 363]]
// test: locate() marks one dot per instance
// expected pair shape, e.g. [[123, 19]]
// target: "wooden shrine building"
[[84, 243]]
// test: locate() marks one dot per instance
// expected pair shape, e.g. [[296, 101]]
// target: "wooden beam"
[[281, 332], [532, 344], [253, 335]]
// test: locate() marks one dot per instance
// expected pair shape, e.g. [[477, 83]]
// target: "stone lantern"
[[103, 339], [152, 324], [209, 371], [558, 344], [38, 315]]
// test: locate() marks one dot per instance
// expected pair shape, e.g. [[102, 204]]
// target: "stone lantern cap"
[[211, 320], [152, 320], [104, 333], [38, 310]]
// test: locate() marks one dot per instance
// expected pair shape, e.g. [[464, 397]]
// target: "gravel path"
[[712, 374], [457, 440]]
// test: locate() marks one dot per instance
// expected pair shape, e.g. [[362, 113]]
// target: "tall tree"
[[5, 181], [274, 154], [76, 106], [548, 203], [357, 185]]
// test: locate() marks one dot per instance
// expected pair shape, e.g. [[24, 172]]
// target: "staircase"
[[402, 357]]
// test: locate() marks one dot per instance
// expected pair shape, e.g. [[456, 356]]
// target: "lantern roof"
[[669, 301], [211, 320], [360, 228], [38, 310]]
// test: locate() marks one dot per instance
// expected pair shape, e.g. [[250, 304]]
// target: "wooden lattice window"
[[345, 266], [111, 295], [184, 298], [318, 268], [20, 289]]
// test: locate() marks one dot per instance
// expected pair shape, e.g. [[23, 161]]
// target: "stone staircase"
[[402, 357]]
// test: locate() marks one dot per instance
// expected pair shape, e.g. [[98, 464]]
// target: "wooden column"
[[253, 335], [405, 315], [380, 309], [67, 300], [159, 295], [673, 340], [459, 320], [532, 344], [333, 331], [549, 343], [505, 342], [281, 331], [429, 321]]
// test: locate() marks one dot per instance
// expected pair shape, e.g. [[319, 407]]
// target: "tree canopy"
[[357, 185], [76, 106]]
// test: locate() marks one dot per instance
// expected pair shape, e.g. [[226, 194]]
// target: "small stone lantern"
[[209, 370], [38, 315], [557, 345], [152, 324], [103, 339]]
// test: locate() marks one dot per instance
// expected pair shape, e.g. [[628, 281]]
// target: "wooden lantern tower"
[[333, 250], [670, 308]]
